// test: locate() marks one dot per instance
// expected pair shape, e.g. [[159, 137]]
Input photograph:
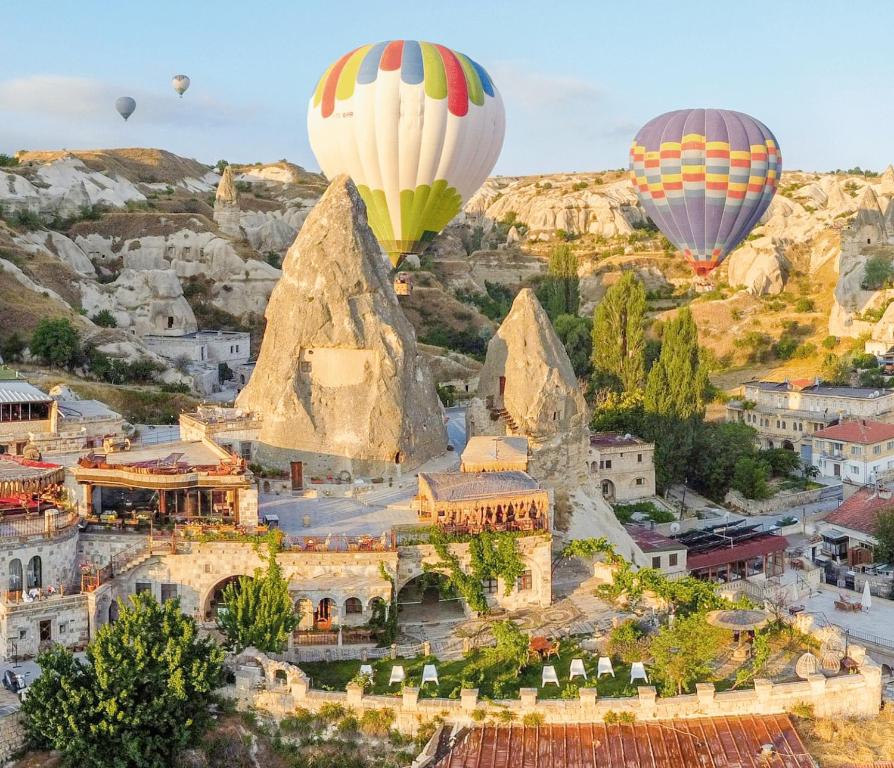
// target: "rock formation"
[[527, 387], [339, 381], [758, 267], [226, 204]]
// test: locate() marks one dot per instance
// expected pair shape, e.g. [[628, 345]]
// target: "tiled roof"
[[860, 511], [459, 486], [20, 391], [861, 393], [708, 742], [762, 545], [859, 431]]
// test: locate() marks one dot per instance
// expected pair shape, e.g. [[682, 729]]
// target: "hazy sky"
[[578, 78]]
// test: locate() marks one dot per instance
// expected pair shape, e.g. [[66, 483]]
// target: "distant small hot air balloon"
[[417, 126], [705, 178], [125, 106], [180, 83]]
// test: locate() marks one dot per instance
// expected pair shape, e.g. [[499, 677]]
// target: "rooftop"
[[461, 486], [184, 455], [86, 409], [804, 385], [860, 511], [614, 440], [707, 742], [862, 431], [649, 540], [20, 391], [17, 468], [764, 544], [482, 449]]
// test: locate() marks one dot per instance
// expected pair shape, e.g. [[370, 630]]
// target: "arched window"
[[15, 576], [35, 573], [353, 605]]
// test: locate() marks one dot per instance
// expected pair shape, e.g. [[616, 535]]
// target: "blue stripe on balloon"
[[412, 71], [486, 82], [369, 69]]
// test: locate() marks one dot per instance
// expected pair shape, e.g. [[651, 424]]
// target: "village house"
[[784, 413], [859, 451], [848, 533], [211, 357], [655, 550], [622, 465]]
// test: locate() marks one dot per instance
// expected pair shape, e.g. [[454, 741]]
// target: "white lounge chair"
[[605, 667], [638, 671], [397, 675], [366, 669], [577, 669], [429, 674], [549, 676]]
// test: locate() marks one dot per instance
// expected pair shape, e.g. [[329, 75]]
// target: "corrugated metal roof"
[[763, 545], [21, 392], [698, 743], [460, 486]]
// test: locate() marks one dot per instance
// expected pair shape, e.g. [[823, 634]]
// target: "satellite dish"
[[675, 528]]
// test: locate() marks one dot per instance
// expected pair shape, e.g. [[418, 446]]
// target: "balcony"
[[51, 524]]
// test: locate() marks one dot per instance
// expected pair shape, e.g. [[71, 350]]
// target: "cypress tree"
[[560, 294], [674, 399], [619, 339]]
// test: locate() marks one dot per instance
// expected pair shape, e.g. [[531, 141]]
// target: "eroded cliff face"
[[527, 387], [340, 383]]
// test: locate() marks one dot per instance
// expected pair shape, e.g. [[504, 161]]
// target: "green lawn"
[[336, 675]]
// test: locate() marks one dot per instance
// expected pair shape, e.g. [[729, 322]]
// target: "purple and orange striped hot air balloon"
[[705, 178], [416, 125]]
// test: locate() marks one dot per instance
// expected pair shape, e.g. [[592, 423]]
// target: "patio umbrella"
[[741, 621], [866, 600]]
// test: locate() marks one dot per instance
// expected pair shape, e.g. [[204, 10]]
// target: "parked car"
[[14, 682]]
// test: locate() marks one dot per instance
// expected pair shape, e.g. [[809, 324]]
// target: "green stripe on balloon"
[[435, 76], [377, 212], [476, 90]]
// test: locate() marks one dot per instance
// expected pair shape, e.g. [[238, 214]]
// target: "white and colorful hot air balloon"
[[180, 84], [417, 126]]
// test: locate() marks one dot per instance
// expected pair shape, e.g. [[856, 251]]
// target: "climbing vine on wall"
[[493, 555]]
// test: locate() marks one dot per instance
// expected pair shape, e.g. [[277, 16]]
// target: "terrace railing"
[[47, 526]]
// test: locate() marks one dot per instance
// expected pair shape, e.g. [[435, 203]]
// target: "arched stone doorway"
[[429, 597], [214, 601], [325, 614], [608, 490], [788, 445]]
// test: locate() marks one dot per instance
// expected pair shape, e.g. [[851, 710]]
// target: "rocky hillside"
[[132, 234]]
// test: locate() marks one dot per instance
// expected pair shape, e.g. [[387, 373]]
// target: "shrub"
[[27, 220], [56, 342], [878, 273], [331, 712], [8, 161], [105, 319], [301, 721], [479, 715], [804, 304], [377, 722], [612, 717], [627, 642], [347, 726], [533, 720], [829, 342]]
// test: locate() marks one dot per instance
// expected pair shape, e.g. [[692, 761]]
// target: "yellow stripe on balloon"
[[348, 77]]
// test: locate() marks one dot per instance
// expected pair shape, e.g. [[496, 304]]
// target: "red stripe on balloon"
[[328, 105], [457, 89], [392, 56]]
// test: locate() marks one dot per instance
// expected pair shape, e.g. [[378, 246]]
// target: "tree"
[[560, 291], [878, 273], [780, 461], [511, 646], [716, 449], [750, 478], [141, 696], [576, 333], [674, 400], [56, 342], [683, 653], [12, 348], [619, 339], [884, 532], [258, 611], [105, 319]]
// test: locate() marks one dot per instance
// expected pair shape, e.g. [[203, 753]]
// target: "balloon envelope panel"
[[416, 125], [705, 178]]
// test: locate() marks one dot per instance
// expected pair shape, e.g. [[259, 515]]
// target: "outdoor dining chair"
[[429, 674], [366, 669], [549, 676], [605, 667], [577, 669], [397, 675], [638, 671]]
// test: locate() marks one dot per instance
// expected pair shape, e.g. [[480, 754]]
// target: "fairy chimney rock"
[[226, 204], [339, 382], [528, 387]]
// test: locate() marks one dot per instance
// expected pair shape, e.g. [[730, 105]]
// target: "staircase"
[[503, 415]]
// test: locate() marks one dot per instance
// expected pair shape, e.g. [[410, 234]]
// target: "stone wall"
[[857, 695], [776, 503], [12, 736]]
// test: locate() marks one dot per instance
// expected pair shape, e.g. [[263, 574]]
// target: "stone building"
[[471, 502], [787, 413], [226, 205], [857, 451], [527, 388], [339, 384], [622, 465]]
